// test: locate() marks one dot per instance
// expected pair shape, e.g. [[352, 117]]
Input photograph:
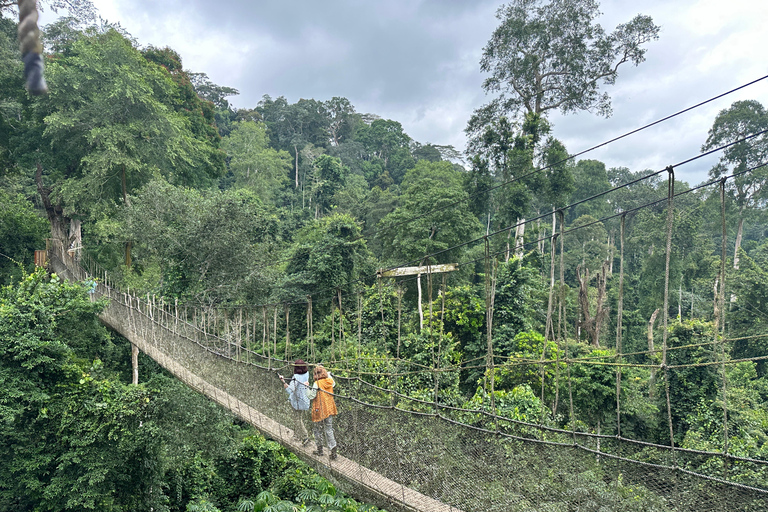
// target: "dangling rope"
[[549, 330], [722, 338], [670, 218], [561, 330], [619, 320], [311, 348], [31, 48], [489, 363], [287, 334], [561, 335]]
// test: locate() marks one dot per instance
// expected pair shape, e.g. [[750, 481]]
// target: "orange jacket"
[[323, 405]]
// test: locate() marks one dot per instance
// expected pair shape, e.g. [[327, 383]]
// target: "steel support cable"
[[569, 230], [490, 189], [623, 212], [506, 229], [678, 469], [583, 434], [758, 461]]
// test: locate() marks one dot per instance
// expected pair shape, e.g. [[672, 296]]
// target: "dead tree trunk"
[[592, 324], [55, 213]]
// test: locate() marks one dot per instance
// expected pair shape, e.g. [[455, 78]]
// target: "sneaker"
[[319, 451], [333, 453]]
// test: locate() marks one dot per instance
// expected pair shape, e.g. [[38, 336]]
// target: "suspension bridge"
[[406, 454]]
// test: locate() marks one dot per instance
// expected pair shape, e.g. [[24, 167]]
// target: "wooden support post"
[[417, 271], [135, 363]]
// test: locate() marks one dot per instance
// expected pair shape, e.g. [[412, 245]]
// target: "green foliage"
[[253, 163], [520, 295], [690, 385], [518, 403], [92, 448], [427, 188], [742, 119], [531, 359], [590, 178], [328, 176], [22, 231], [107, 144], [217, 237], [328, 255]]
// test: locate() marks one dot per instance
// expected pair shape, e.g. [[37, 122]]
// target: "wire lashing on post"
[[31, 47]]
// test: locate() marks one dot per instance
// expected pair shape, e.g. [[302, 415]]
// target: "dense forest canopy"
[[146, 168]]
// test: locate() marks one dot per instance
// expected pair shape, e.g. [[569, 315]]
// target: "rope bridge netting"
[[456, 458]]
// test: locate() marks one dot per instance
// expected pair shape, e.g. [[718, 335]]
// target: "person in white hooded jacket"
[[297, 396]]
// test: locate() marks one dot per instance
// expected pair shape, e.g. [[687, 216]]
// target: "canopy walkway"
[[401, 453]]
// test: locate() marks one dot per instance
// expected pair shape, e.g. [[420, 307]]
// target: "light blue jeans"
[[324, 427]]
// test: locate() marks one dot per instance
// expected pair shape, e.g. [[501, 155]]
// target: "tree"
[[211, 246], [329, 254], [590, 178], [11, 91], [387, 149], [415, 229], [81, 9], [328, 176], [109, 125], [254, 164], [22, 230], [342, 119], [549, 55], [742, 119], [292, 127], [74, 437]]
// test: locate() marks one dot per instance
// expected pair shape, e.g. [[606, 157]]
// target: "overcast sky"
[[417, 62]]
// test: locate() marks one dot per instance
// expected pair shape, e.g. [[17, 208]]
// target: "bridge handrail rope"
[[149, 311]]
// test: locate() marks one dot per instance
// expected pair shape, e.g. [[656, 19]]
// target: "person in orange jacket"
[[323, 410]]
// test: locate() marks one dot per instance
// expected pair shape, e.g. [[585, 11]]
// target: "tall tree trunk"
[[127, 203], [54, 212], [135, 364], [520, 239], [593, 323], [75, 240], [296, 152], [739, 233]]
